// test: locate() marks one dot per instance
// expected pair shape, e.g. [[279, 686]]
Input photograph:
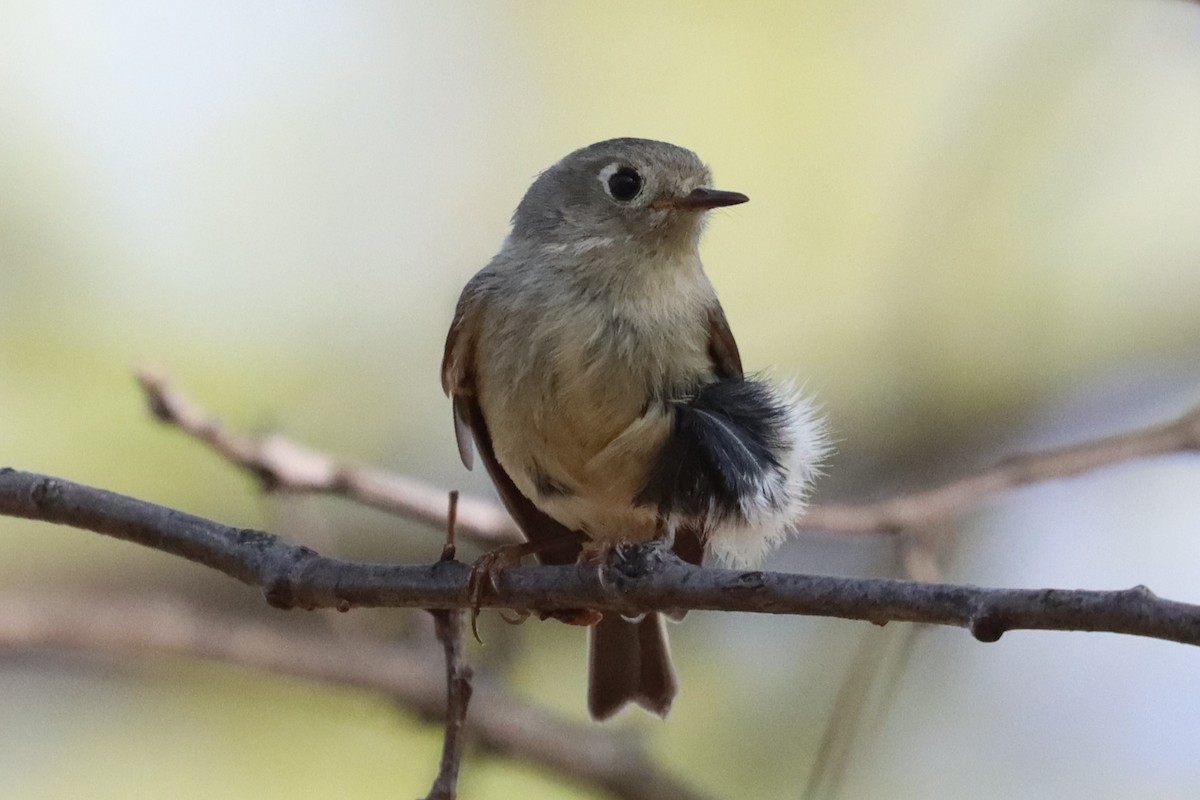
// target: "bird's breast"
[[605, 370], [576, 403]]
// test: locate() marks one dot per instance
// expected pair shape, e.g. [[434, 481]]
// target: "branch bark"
[[141, 626], [647, 580]]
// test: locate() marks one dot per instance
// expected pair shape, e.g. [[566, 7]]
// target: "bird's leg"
[[490, 564], [486, 569], [599, 555], [483, 577]]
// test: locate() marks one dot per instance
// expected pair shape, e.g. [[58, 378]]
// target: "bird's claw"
[[583, 617], [483, 579], [598, 555]]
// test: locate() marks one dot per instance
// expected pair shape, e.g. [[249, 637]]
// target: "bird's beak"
[[701, 200]]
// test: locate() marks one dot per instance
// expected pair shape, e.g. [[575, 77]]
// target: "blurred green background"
[[974, 228]]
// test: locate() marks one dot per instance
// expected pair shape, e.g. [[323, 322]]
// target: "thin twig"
[[648, 580], [283, 465], [458, 696], [140, 626], [449, 628], [450, 548], [924, 508]]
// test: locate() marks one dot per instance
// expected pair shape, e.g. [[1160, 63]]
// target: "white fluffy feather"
[[771, 513]]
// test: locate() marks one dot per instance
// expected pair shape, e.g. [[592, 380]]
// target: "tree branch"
[[648, 580], [449, 629], [458, 695], [924, 508], [284, 465], [141, 626]]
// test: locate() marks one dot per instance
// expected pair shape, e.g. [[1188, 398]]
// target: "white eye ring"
[[628, 178]]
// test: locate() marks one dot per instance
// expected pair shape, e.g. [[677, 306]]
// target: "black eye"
[[624, 184]]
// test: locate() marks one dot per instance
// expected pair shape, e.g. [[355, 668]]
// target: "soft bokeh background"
[[974, 229]]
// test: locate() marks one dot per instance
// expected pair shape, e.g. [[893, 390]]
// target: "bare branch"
[[284, 465], [141, 626], [925, 508], [648, 580], [458, 696], [449, 627]]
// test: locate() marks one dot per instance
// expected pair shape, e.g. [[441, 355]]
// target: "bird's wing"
[[722, 347], [458, 364], [561, 544]]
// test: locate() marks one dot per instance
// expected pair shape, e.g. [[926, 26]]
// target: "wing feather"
[[470, 425], [458, 377], [722, 347]]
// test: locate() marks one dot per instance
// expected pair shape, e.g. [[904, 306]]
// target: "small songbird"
[[593, 367]]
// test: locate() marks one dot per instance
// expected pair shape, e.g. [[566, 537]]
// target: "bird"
[[592, 367]]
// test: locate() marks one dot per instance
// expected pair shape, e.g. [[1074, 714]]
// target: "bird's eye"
[[624, 184]]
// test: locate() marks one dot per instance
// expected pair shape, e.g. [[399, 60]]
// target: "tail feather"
[[630, 663]]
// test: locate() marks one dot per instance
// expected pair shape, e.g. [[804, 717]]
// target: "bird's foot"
[[630, 558], [583, 617], [599, 555], [483, 576]]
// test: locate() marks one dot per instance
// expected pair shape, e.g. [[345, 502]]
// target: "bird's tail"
[[629, 662]]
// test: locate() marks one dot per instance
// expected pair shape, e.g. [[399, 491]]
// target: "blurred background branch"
[[284, 465], [929, 507], [143, 626], [287, 466]]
